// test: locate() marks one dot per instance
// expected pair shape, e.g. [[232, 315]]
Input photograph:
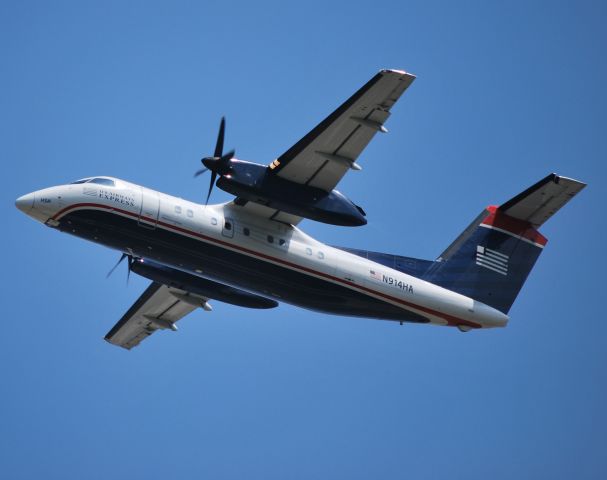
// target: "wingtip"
[[399, 72], [557, 178]]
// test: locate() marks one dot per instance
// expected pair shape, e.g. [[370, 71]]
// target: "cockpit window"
[[84, 180], [103, 181], [100, 181]]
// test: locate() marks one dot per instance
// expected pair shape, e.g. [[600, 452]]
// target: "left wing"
[[325, 154], [159, 307]]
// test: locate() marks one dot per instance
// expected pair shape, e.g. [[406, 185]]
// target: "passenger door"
[[150, 206]]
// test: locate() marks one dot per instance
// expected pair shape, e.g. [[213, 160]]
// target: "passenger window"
[[321, 255], [228, 226], [178, 209], [281, 241], [213, 221], [308, 251], [246, 231], [270, 239], [190, 213]]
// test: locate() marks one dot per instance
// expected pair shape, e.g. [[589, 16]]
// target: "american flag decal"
[[374, 274], [90, 191], [495, 261]]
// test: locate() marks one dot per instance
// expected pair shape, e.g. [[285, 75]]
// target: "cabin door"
[[150, 207]]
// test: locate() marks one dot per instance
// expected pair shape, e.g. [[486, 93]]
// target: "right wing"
[[159, 307]]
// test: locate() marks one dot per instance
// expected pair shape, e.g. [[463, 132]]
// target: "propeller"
[[218, 164], [129, 265]]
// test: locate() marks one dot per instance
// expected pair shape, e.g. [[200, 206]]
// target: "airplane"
[[251, 253]]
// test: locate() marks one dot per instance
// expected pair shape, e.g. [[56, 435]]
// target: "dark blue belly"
[[226, 266]]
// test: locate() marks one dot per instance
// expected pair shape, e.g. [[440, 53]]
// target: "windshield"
[[103, 181], [98, 180]]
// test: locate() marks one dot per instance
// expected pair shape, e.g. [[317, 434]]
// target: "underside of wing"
[[325, 154], [301, 182], [159, 307]]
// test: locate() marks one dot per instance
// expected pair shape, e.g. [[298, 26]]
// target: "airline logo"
[[495, 261]]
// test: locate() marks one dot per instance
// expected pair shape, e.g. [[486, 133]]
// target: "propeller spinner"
[[218, 164]]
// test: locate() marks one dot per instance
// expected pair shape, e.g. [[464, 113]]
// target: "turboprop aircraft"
[[250, 251]]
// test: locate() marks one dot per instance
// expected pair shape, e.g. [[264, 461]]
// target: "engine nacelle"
[[199, 286], [252, 182]]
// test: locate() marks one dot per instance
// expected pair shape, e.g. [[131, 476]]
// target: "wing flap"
[[158, 307], [542, 200]]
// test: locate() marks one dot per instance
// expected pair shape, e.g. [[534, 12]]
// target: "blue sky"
[[506, 93]]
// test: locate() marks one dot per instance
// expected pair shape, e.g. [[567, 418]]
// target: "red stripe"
[[516, 227], [451, 320]]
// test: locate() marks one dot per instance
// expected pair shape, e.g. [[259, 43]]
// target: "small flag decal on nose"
[[495, 261]]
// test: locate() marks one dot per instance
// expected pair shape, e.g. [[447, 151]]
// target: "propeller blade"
[[122, 257], [218, 164], [219, 144], [227, 157], [213, 178], [128, 272]]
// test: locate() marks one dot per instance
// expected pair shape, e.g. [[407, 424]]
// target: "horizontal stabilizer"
[[542, 200]]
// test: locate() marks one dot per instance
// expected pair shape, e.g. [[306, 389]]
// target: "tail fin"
[[492, 258]]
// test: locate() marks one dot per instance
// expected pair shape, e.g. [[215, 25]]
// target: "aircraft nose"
[[25, 203]]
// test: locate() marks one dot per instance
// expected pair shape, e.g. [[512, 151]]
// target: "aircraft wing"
[[159, 307], [325, 154]]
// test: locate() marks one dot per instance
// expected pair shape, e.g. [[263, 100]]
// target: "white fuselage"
[[232, 228]]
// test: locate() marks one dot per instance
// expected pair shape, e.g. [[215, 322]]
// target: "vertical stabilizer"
[[492, 258]]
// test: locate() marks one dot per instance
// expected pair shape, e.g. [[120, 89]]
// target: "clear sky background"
[[506, 92]]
